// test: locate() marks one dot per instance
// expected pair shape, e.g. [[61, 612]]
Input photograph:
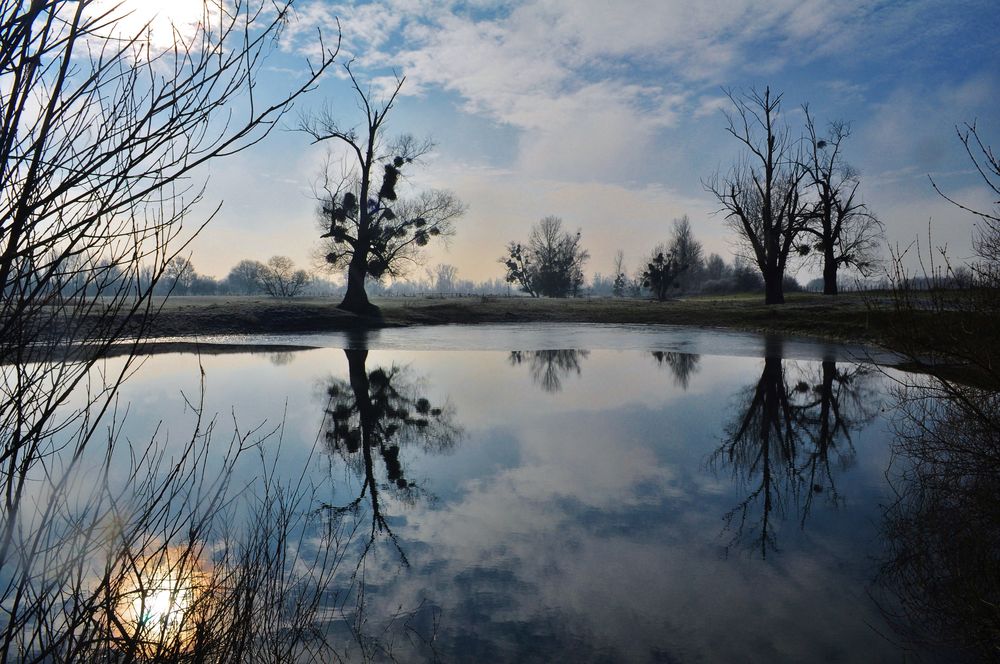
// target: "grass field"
[[846, 317]]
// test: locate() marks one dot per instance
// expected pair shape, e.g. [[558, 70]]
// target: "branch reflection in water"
[[549, 367], [793, 429], [681, 365], [939, 582], [150, 552]]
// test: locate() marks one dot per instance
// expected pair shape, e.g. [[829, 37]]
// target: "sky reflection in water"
[[590, 505]]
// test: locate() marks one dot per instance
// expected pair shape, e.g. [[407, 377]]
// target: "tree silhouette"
[[366, 226], [762, 196], [550, 264], [791, 426], [688, 252], [101, 136], [280, 278], [379, 412], [844, 231], [549, 367], [245, 277], [661, 273]]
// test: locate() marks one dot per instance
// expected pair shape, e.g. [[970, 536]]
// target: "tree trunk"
[[825, 409], [356, 299], [829, 272], [774, 292], [358, 372]]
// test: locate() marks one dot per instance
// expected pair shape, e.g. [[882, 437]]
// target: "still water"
[[572, 493]]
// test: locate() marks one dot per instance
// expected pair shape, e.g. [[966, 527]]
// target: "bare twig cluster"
[[101, 133]]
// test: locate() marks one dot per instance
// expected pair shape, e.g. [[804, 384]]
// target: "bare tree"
[[945, 315], [844, 231], [987, 236], [179, 274], [366, 227], [445, 277], [551, 263], [761, 196], [621, 276], [99, 137], [280, 278]]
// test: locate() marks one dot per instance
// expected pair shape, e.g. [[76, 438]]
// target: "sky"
[[609, 114]]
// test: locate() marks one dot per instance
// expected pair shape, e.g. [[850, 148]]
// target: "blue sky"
[[608, 114]]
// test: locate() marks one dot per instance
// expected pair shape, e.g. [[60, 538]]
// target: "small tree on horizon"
[[620, 284], [279, 277], [661, 272], [550, 264], [245, 277], [179, 274], [687, 251]]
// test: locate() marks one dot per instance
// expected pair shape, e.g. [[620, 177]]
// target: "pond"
[[563, 493]]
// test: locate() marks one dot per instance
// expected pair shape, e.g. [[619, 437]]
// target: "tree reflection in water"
[[381, 412], [682, 365], [939, 583], [369, 419], [794, 427], [549, 367]]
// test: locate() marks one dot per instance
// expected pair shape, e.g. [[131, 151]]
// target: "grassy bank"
[[845, 317], [948, 337]]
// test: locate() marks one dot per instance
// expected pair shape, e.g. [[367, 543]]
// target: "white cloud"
[[599, 99], [590, 83]]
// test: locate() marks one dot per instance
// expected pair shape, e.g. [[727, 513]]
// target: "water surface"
[[575, 493]]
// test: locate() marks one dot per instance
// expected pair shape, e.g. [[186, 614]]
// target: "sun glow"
[[159, 604], [158, 22]]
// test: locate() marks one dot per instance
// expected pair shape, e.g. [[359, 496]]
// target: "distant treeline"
[[278, 277]]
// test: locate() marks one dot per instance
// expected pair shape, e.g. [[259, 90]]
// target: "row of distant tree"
[[278, 277], [551, 263], [788, 200]]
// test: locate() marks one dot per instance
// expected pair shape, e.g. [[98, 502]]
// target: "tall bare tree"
[[844, 232], [366, 227], [761, 196]]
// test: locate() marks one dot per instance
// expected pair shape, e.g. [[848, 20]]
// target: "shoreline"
[[846, 319], [866, 319]]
